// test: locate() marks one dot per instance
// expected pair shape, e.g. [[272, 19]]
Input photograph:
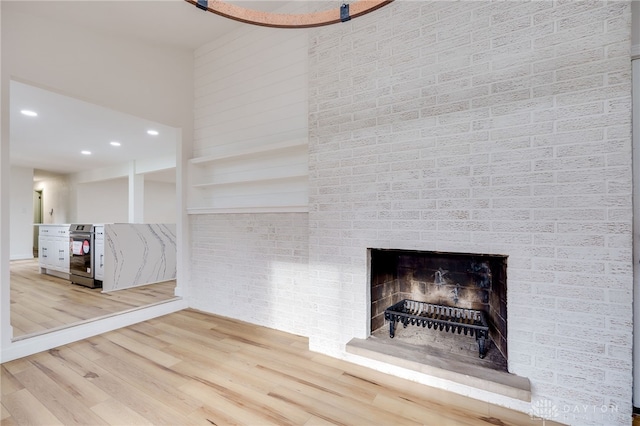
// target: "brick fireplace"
[[455, 127], [482, 127]]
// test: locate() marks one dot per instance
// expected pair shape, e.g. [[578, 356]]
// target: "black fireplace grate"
[[439, 317]]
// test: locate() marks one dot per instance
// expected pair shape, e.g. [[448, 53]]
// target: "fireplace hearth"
[[457, 294]]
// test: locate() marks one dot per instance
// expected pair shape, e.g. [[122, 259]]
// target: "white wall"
[[160, 202], [636, 233], [635, 29], [5, 188], [133, 77], [21, 213], [103, 202]]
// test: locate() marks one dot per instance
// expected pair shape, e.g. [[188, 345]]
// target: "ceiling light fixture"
[[29, 113], [114, 143], [153, 132], [282, 20], [85, 152]]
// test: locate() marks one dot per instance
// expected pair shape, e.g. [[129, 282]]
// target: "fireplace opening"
[[450, 305]]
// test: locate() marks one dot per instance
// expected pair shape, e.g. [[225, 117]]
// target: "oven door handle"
[[80, 236]]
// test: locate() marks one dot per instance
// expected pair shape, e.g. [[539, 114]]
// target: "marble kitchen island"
[[138, 254]]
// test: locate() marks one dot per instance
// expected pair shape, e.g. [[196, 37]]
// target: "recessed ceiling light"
[[114, 143], [153, 132], [29, 113], [85, 152]]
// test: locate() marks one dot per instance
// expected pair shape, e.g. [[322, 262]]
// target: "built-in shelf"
[[268, 178], [250, 181], [257, 209], [249, 151]]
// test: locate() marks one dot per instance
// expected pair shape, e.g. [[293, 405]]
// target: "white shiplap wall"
[[251, 108], [251, 91]]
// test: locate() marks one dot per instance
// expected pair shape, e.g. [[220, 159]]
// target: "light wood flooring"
[[41, 302], [194, 368]]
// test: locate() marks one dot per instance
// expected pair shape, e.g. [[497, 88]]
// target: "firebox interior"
[[457, 282]]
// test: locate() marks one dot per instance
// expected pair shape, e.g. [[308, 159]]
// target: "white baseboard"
[[23, 256]]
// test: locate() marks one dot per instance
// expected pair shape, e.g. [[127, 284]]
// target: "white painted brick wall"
[[253, 267], [484, 127]]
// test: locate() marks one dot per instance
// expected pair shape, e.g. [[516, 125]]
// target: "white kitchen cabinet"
[[60, 254], [53, 248], [98, 253], [267, 178], [44, 250]]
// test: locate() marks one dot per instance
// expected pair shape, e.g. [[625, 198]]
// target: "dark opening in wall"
[[461, 280]]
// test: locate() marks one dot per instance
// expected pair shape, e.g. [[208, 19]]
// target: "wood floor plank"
[[412, 403], [26, 409], [511, 417], [23, 322], [72, 383], [337, 398], [192, 368], [317, 421], [224, 401], [114, 412], [287, 362], [60, 403], [207, 416], [151, 383], [141, 334], [4, 413], [140, 364], [424, 414], [319, 407], [397, 386], [8, 383], [139, 348], [211, 352], [17, 365], [232, 369], [88, 349], [173, 335], [41, 302], [253, 335], [157, 412], [283, 369], [250, 388]]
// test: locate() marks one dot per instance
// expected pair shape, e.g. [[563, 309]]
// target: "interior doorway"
[[37, 218]]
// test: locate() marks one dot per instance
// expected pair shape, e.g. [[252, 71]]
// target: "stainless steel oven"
[[81, 240]]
